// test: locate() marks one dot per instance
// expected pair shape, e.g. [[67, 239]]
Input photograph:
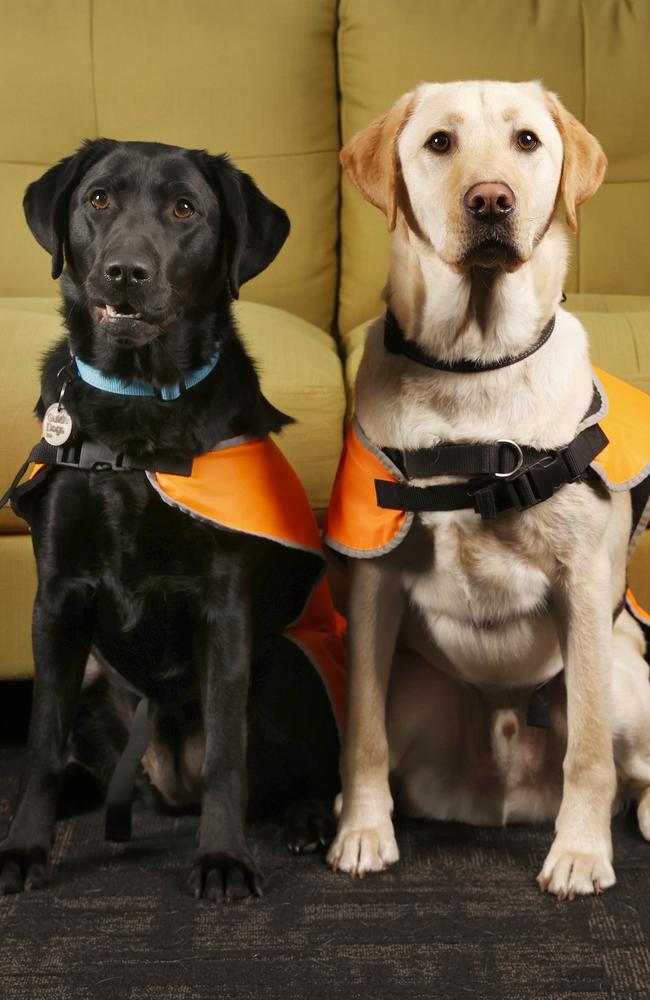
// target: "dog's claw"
[[220, 877]]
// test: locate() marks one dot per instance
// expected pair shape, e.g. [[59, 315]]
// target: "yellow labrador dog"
[[453, 629]]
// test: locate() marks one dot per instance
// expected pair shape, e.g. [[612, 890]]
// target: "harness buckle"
[[519, 458]]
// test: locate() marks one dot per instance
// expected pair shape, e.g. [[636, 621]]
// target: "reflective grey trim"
[[377, 452], [406, 526], [233, 442], [601, 412], [225, 527], [373, 553], [240, 531], [629, 484], [593, 419]]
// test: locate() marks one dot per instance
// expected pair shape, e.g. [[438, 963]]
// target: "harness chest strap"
[[372, 504]]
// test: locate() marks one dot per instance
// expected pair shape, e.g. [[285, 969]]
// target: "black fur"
[[189, 614]]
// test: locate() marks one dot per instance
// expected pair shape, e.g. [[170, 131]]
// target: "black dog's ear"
[[255, 228], [47, 200]]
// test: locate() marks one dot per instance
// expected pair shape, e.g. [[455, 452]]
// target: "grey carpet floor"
[[460, 916]]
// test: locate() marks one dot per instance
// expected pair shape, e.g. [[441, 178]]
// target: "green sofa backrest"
[[594, 53], [254, 79]]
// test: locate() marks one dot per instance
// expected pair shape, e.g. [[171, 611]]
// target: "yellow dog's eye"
[[183, 208], [440, 142], [527, 141], [99, 199]]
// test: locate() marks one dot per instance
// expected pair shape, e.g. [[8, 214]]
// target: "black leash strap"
[[120, 789], [396, 343], [524, 489]]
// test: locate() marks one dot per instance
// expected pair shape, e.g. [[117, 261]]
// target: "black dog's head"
[[156, 239]]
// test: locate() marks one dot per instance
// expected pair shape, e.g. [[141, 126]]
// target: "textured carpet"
[[460, 916]]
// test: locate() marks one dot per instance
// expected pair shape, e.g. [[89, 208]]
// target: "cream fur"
[[450, 632]]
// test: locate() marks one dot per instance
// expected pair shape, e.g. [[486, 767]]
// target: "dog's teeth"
[[111, 310]]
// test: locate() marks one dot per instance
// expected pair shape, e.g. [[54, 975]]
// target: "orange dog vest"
[[250, 487], [357, 526]]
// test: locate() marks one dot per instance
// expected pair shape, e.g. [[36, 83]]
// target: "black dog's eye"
[[99, 199], [183, 208], [527, 141], [440, 142]]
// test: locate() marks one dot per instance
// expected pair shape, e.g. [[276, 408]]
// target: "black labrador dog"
[[154, 242]]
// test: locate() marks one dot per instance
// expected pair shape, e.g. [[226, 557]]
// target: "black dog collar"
[[396, 343]]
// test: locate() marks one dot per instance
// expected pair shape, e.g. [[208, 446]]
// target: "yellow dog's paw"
[[569, 873], [362, 850]]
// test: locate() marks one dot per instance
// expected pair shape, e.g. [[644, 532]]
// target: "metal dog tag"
[[57, 424]]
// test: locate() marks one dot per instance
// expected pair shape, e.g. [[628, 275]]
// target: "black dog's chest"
[[151, 570]]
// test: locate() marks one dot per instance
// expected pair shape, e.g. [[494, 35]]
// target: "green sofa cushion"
[[257, 81], [595, 55]]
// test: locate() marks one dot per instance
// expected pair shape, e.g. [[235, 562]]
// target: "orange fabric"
[[627, 425], [236, 487], [354, 520], [357, 524], [636, 608], [252, 488]]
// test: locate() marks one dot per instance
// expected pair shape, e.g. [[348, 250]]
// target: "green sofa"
[[279, 84]]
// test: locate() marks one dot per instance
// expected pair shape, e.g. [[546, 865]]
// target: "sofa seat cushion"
[[298, 365], [17, 590]]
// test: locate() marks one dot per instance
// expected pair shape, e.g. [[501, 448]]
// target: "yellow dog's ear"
[[370, 158], [584, 162]]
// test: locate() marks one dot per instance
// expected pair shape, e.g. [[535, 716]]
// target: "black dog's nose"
[[489, 200], [127, 273]]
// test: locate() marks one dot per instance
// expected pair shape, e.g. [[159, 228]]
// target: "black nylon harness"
[[536, 479], [509, 476], [91, 455]]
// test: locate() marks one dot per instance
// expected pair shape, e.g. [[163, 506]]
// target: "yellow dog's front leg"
[[580, 859], [365, 841]]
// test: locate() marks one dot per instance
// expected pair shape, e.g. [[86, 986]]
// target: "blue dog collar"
[[111, 383]]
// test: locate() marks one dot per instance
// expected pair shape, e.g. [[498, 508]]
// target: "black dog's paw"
[[22, 868], [308, 826], [223, 878]]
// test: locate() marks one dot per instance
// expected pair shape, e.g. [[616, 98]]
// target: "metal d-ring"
[[519, 455], [66, 382]]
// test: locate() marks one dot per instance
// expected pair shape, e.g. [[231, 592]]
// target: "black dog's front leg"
[[61, 640], [224, 868]]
